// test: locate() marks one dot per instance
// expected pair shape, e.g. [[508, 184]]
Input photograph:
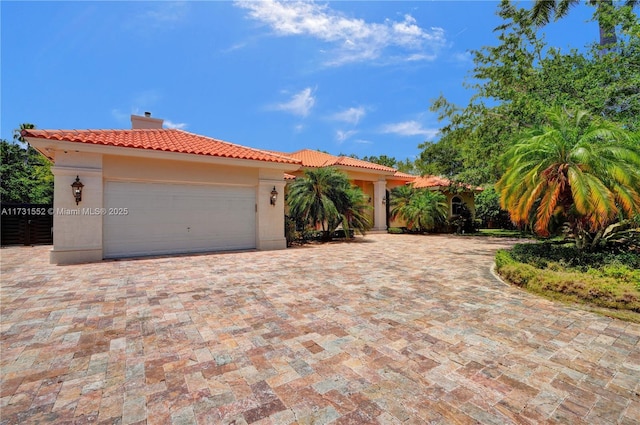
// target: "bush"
[[395, 230], [541, 254], [562, 272]]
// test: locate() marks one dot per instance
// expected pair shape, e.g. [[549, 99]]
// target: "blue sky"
[[345, 77]]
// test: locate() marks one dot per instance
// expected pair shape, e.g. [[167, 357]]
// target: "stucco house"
[[374, 180], [153, 191], [150, 191], [457, 194]]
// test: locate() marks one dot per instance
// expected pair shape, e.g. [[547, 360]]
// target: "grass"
[[502, 233], [603, 282]]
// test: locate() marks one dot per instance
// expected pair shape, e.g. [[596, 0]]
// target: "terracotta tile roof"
[[288, 176], [398, 175], [311, 158], [352, 162], [438, 182], [168, 140], [430, 181]]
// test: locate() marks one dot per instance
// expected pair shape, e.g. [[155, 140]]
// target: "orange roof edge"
[[168, 140]]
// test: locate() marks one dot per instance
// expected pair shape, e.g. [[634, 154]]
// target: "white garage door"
[[171, 218]]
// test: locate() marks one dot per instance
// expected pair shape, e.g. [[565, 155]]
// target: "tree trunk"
[[608, 36]]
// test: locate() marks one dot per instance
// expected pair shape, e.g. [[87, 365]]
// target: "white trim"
[[64, 170]]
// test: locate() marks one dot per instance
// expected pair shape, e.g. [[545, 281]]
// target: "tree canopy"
[[515, 81], [572, 169], [26, 174]]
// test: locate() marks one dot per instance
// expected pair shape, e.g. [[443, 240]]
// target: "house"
[[151, 191], [374, 180], [155, 191], [458, 195]]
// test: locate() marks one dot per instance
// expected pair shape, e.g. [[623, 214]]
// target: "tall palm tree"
[[421, 209], [575, 169], [324, 197], [544, 10]]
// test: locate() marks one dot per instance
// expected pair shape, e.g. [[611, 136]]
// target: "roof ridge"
[[236, 144]]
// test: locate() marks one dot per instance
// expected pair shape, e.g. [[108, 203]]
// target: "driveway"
[[390, 329]]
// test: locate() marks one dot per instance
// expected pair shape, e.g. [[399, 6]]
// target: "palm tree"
[[421, 209], [575, 170], [399, 199], [543, 10], [324, 197]]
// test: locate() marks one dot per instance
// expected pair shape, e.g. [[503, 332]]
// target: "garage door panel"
[[170, 218]]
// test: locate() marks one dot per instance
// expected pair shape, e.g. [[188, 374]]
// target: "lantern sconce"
[[384, 200], [274, 196], [76, 188]]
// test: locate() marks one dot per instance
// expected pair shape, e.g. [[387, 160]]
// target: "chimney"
[[146, 122]]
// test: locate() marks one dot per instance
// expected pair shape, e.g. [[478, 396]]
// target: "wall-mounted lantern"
[[274, 196], [384, 200], [76, 188]]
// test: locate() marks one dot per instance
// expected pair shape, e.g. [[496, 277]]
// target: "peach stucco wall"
[[78, 237]]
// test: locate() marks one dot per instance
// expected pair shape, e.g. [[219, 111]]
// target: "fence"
[[26, 224]]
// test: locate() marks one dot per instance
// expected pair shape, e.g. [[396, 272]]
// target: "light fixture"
[[384, 200], [76, 188], [274, 196]]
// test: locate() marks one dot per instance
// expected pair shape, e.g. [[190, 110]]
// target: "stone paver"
[[390, 329]]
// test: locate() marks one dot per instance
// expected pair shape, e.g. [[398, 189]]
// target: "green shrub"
[[601, 279], [503, 257], [395, 230], [541, 254]]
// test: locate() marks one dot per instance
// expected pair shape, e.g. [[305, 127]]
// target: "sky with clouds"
[[345, 77]]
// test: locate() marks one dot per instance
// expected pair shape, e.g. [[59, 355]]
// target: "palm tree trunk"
[[608, 36]]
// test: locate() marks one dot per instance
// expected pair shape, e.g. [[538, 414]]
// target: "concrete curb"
[[497, 277]]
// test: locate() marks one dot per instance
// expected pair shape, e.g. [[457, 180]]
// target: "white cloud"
[[410, 128], [165, 13], [300, 103], [157, 16], [363, 142], [174, 125], [341, 136], [354, 40], [463, 57], [233, 47], [351, 115], [120, 116]]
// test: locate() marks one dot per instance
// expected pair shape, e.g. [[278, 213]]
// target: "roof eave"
[[50, 146]]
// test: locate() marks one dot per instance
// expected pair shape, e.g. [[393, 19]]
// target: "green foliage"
[[440, 159], [395, 230], [324, 197], [516, 80], [488, 209], [544, 10], [421, 209], [26, 174], [576, 170], [608, 282], [542, 254], [382, 160]]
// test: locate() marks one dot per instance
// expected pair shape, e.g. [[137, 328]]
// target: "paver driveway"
[[388, 329]]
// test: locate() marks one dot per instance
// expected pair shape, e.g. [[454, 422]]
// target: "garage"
[[153, 191], [164, 218]]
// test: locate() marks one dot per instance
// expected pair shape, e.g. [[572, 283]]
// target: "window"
[[457, 206]]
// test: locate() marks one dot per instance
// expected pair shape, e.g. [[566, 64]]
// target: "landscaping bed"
[[607, 282]]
